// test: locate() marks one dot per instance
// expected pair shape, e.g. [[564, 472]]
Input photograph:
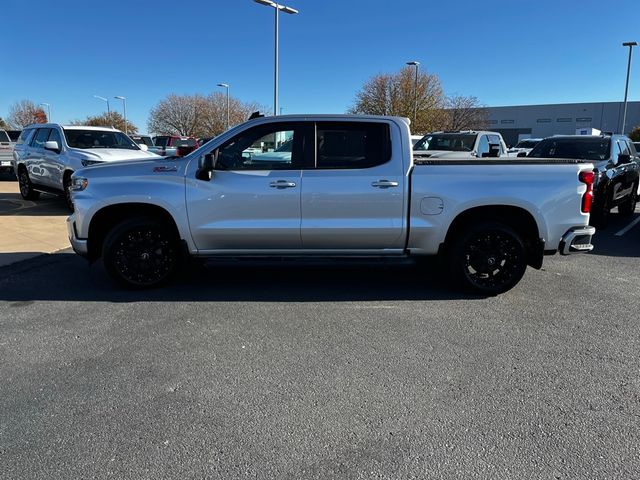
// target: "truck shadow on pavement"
[[46, 206], [606, 243], [67, 277]]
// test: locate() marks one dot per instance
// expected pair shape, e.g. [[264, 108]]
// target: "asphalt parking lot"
[[289, 370]]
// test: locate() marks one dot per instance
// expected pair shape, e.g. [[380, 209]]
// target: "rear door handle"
[[384, 184], [282, 184]]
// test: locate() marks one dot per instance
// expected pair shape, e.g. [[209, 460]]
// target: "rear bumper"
[[577, 240], [79, 245]]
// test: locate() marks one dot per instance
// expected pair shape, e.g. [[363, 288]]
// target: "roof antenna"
[[256, 114]]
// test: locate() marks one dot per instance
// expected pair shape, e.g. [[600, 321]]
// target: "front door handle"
[[282, 184], [384, 184]]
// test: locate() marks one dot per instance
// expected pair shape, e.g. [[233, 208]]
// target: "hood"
[[114, 154], [135, 168]]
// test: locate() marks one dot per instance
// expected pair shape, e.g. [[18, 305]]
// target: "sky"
[[504, 52]]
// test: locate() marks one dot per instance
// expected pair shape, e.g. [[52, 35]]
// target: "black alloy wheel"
[[26, 187], [628, 207], [140, 253], [488, 258], [66, 184]]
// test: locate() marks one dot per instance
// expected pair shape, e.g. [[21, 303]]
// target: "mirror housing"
[[206, 166], [52, 145], [143, 147], [521, 154], [622, 158]]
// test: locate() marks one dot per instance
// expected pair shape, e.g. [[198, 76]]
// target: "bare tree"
[[4, 125], [464, 113], [196, 115], [112, 119], [178, 115], [395, 94], [24, 113]]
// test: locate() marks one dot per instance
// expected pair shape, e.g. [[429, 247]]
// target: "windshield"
[[187, 142], [527, 143], [161, 141], [578, 148], [454, 142], [140, 140], [4, 137], [99, 139]]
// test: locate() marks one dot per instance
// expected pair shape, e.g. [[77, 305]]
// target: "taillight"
[[587, 199]]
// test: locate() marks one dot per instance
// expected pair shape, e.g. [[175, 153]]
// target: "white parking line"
[[628, 227]]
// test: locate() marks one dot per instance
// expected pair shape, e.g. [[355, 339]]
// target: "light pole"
[[124, 106], [415, 91], [226, 85], [292, 11], [104, 100], [48, 111], [626, 87]]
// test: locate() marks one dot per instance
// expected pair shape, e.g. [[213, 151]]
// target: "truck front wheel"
[[140, 253], [487, 257]]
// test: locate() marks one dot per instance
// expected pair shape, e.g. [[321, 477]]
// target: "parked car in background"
[[616, 167], [415, 139], [204, 140], [144, 141], [525, 145], [637, 145], [6, 152], [463, 144], [46, 155], [13, 135], [173, 145], [342, 186]]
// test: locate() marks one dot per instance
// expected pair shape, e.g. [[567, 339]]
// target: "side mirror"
[[522, 154], [54, 147], [622, 158], [143, 147], [207, 163]]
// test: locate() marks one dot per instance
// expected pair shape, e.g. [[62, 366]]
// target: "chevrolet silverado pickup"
[[343, 186]]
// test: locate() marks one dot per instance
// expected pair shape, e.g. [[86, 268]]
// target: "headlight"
[[88, 163], [79, 183]]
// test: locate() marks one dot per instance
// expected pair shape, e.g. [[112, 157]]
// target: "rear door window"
[[25, 136], [349, 145]]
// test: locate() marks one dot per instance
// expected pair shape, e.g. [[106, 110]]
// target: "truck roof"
[[71, 127]]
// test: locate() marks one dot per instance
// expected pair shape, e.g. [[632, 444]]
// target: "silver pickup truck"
[[343, 186]]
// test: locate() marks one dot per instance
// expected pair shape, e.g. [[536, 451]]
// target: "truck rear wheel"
[[26, 187], [627, 208], [140, 253], [487, 257]]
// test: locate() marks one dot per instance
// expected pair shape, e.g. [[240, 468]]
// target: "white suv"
[[460, 144], [47, 154]]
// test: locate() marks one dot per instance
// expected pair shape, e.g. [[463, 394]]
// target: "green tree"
[[111, 119]]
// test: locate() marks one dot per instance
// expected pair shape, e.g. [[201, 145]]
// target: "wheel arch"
[[517, 218], [105, 219]]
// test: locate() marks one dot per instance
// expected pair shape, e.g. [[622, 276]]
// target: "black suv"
[[617, 169]]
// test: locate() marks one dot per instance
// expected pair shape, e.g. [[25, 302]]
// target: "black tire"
[[141, 253], [487, 257], [66, 185], [601, 214], [26, 187], [628, 207]]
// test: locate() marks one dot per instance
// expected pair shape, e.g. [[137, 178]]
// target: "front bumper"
[[79, 245], [577, 240]]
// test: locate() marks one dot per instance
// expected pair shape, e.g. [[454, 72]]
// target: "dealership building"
[[539, 121]]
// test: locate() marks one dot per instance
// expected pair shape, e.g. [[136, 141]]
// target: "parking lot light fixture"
[[124, 106], [415, 91], [48, 111], [104, 100], [626, 87], [226, 85], [277, 8]]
